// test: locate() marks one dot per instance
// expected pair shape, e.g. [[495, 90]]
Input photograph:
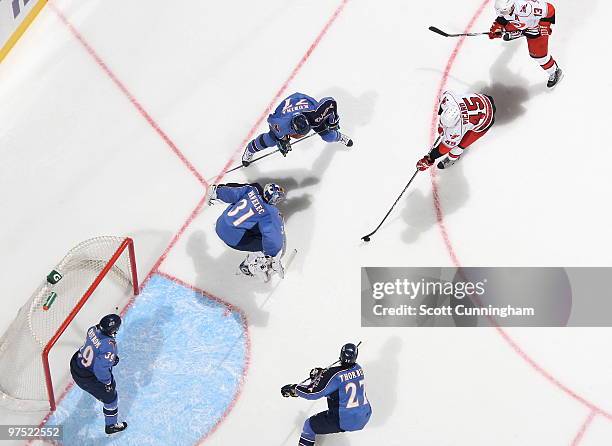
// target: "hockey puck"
[[365, 239]]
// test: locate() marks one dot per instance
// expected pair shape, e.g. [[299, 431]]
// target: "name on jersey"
[[465, 118], [256, 203], [299, 105], [295, 108], [91, 334], [351, 375]]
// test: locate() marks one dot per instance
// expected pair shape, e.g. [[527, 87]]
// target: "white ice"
[[78, 160]]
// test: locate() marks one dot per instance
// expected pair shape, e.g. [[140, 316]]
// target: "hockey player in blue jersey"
[[294, 118], [253, 224], [92, 365], [343, 386]]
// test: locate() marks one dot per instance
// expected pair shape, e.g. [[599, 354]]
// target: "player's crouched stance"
[[343, 385], [92, 365], [532, 19], [252, 223], [294, 118], [462, 120]]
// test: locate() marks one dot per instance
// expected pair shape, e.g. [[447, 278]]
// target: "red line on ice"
[[451, 250], [278, 94], [587, 423], [163, 135], [201, 203]]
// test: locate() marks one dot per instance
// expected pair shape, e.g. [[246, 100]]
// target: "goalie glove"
[[289, 391], [211, 194]]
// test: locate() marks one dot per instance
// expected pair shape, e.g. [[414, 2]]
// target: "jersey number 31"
[[244, 217]]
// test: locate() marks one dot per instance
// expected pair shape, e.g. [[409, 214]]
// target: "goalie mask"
[[273, 193]]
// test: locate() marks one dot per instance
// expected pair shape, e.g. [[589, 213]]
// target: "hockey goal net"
[[104, 267]]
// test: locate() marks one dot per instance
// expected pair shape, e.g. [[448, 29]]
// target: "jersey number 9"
[[87, 356]]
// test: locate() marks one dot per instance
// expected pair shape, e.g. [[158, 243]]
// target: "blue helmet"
[[109, 324], [300, 124], [273, 193], [348, 354]]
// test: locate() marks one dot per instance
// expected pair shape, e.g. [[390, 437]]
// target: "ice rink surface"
[[116, 116]]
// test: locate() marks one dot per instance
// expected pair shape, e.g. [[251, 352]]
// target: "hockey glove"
[[116, 361], [315, 373], [512, 35], [289, 390], [545, 30], [424, 163], [109, 387], [211, 194], [496, 31], [284, 145]]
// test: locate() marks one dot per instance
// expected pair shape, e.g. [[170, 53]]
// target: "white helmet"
[[450, 116], [504, 7]]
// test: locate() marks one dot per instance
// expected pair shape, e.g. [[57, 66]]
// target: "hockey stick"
[[274, 151], [442, 33], [366, 238], [326, 368]]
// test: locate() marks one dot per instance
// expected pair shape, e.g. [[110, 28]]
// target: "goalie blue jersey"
[[346, 395], [249, 223]]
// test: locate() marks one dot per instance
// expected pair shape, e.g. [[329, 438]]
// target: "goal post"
[[103, 267]]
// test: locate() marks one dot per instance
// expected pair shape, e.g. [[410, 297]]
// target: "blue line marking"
[[182, 358]]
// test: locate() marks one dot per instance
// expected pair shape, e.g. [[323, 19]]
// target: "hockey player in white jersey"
[[462, 120], [532, 19]]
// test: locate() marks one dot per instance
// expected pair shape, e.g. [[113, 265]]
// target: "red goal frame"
[[128, 244]]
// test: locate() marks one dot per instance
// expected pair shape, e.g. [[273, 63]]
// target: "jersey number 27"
[[351, 389]]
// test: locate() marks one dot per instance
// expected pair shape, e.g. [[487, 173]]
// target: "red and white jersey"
[[476, 116], [527, 15]]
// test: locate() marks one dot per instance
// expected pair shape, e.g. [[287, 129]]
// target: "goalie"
[[252, 223]]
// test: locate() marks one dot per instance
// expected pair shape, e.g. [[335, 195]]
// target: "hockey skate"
[[555, 78], [114, 428], [247, 157], [447, 162], [347, 141], [244, 268]]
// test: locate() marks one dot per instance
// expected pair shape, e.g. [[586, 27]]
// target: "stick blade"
[[438, 31]]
